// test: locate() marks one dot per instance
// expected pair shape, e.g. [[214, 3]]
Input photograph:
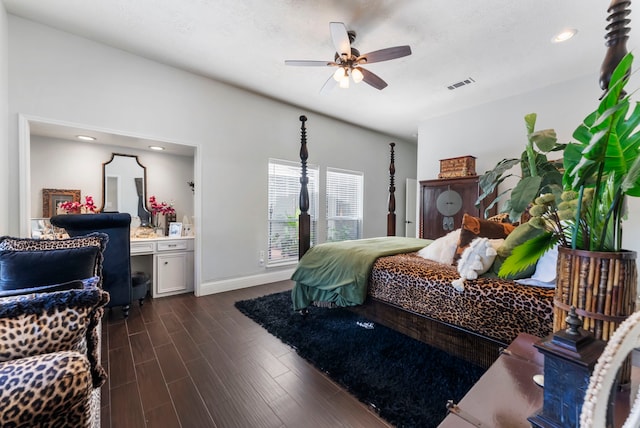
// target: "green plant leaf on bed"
[[527, 254]]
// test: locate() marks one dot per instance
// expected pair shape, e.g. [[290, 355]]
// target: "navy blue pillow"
[[25, 269], [71, 285]]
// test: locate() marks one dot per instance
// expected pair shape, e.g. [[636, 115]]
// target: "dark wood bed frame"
[[454, 340]]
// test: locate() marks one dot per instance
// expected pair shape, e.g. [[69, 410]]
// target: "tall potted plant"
[[602, 168], [538, 173]]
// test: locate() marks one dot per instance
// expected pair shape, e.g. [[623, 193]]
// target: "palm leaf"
[[527, 254]]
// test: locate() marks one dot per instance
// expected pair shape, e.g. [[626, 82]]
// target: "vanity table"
[[168, 261]]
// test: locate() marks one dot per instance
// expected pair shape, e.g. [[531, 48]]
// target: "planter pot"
[[601, 285]]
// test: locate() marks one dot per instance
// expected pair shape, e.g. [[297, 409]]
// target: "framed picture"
[[175, 229], [51, 198], [40, 227]]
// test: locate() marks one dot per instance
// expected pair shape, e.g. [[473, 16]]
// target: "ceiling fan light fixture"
[[357, 75], [337, 76], [344, 82]]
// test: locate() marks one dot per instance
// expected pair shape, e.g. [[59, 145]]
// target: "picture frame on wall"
[[175, 229], [52, 198]]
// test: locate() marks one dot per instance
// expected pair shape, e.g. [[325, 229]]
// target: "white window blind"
[[284, 197], [344, 204]]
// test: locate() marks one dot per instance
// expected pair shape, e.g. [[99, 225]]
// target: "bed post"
[[616, 39], [391, 216], [304, 220]]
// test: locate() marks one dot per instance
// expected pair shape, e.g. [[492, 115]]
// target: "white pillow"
[[442, 249], [476, 259]]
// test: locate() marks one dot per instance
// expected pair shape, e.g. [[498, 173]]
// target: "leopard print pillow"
[[42, 323], [46, 390]]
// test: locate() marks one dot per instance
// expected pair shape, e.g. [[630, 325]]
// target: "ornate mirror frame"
[[136, 187]]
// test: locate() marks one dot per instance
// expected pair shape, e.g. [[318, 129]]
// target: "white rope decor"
[[596, 400]]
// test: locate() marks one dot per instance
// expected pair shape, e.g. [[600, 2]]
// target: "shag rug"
[[406, 381]]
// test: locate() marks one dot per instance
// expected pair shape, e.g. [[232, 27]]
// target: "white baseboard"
[[243, 282]]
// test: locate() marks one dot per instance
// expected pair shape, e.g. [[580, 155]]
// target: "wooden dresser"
[[443, 202]]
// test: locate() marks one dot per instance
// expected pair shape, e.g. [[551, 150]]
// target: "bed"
[[386, 281]]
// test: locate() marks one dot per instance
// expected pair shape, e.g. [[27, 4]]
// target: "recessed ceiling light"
[[156, 147], [564, 35], [85, 138]]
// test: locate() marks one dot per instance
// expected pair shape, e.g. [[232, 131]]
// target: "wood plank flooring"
[[186, 361]]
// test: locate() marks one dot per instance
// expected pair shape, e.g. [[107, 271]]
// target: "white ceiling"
[[503, 45]]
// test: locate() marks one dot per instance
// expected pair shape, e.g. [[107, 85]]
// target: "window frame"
[[289, 225]]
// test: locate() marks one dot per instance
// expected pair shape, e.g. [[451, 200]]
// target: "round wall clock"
[[448, 204]]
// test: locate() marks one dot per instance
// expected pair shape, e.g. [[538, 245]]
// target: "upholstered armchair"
[[116, 269], [50, 371]]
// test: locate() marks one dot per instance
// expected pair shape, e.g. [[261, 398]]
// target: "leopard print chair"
[[50, 371], [50, 331]]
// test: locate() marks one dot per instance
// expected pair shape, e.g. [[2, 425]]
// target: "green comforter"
[[338, 272]]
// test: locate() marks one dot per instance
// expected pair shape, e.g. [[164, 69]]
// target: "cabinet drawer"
[[143, 247], [172, 245]]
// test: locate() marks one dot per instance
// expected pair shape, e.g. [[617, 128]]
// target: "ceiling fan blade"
[[340, 38], [386, 54], [372, 79], [328, 85], [306, 63]]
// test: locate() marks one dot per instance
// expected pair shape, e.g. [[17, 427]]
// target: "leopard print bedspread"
[[49, 390], [495, 308]]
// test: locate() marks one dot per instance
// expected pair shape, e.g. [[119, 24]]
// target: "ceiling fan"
[[349, 61]]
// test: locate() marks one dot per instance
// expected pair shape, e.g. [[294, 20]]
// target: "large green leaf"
[[527, 254], [525, 192], [488, 179], [491, 189], [544, 140], [631, 183], [598, 141]]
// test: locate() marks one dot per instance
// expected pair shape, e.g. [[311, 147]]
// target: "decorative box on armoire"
[[445, 201]]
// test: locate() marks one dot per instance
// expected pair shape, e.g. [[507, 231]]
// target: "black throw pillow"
[[26, 269]]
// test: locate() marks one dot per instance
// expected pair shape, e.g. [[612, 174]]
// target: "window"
[[284, 197], [344, 204]]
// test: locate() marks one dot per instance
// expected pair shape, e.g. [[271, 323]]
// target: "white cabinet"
[[174, 273], [172, 263]]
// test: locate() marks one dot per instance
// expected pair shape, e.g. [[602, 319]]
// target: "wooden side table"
[[506, 395]]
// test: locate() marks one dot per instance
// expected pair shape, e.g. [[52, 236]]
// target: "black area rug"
[[406, 381]]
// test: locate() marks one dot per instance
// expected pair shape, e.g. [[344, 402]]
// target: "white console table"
[[168, 261]]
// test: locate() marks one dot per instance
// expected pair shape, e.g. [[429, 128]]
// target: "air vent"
[[464, 82]]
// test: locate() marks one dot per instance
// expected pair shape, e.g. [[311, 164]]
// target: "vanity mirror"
[[124, 186]]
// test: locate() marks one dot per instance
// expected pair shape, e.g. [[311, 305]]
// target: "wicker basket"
[[463, 166]]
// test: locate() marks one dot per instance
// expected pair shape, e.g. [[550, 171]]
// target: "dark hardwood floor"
[[186, 361]]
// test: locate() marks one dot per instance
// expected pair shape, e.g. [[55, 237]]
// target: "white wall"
[[167, 174], [4, 126], [58, 76], [496, 130]]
